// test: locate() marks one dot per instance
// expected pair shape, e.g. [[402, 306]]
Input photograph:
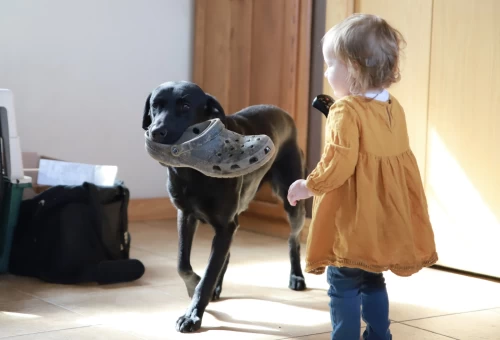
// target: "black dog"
[[170, 109]]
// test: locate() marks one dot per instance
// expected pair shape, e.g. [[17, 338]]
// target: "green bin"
[[11, 203]]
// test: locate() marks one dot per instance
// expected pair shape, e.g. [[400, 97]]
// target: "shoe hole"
[[196, 131], [235, 166], [267, 149], [217, 168], [219, 154], [230, 155], [251, 146], [242, 152], [253, 160], [258, 138], [227, 141], [232, 149]]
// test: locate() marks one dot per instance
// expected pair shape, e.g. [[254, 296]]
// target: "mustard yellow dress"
[[370, 210]]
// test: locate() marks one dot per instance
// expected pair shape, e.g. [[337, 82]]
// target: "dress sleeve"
[[341, 151]]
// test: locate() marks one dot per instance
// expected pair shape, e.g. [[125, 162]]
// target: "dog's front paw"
[[297, 282], [188, 323]]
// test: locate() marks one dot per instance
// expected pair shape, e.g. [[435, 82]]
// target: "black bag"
[[75, 234], [2, 172]]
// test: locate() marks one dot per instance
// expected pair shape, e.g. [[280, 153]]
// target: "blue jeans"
[[356, 293]]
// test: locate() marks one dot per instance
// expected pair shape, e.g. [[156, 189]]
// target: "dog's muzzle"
[[214, 151]]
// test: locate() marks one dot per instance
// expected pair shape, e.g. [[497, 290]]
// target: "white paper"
[[65, 173]]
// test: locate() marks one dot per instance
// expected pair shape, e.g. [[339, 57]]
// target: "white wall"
[[81, 70]]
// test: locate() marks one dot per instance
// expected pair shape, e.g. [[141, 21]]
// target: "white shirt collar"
[[382, 96]]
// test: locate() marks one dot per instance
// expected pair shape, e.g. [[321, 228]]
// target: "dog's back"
[[264, 119], [191, 188]]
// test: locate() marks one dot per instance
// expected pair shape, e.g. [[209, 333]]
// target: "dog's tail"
[[304, 163]]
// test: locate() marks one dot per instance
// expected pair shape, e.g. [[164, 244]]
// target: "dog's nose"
[[159, 133]]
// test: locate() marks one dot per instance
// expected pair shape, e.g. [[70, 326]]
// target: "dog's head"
[[174, 106]]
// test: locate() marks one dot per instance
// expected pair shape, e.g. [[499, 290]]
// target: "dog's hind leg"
[[296, 216], [287, 169], [186, 227]]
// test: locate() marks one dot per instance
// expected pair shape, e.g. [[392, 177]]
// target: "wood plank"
[[271, 227], [151, 209], [267, 51], [265, 83], [264, 226], [289, 56], [316, 76], [217, 56], [282, 63], [336, 11], [302, 102], [248, 53], [199, 41], [266, 194], [463, 161], [271, 210], [240, 54], [414, 20], [159, 209]]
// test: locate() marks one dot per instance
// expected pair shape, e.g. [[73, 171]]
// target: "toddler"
[[370, 210]]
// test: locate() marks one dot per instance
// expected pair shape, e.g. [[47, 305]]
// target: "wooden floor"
[[256, 304]]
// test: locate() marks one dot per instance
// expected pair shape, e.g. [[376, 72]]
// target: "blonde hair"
[[369, 47]]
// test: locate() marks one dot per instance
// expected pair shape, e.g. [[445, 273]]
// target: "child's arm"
[[340, 154]]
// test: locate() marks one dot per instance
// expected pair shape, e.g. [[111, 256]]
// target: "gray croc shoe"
[[214, 151]]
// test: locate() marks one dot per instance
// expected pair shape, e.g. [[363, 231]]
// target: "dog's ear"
[[146, 119], [214, 109]]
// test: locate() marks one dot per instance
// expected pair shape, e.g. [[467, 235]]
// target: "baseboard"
[[271, 227], [267, 210], [154, 209], [151, 209]]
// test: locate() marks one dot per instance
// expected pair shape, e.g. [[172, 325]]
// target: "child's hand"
[[298, 191]]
